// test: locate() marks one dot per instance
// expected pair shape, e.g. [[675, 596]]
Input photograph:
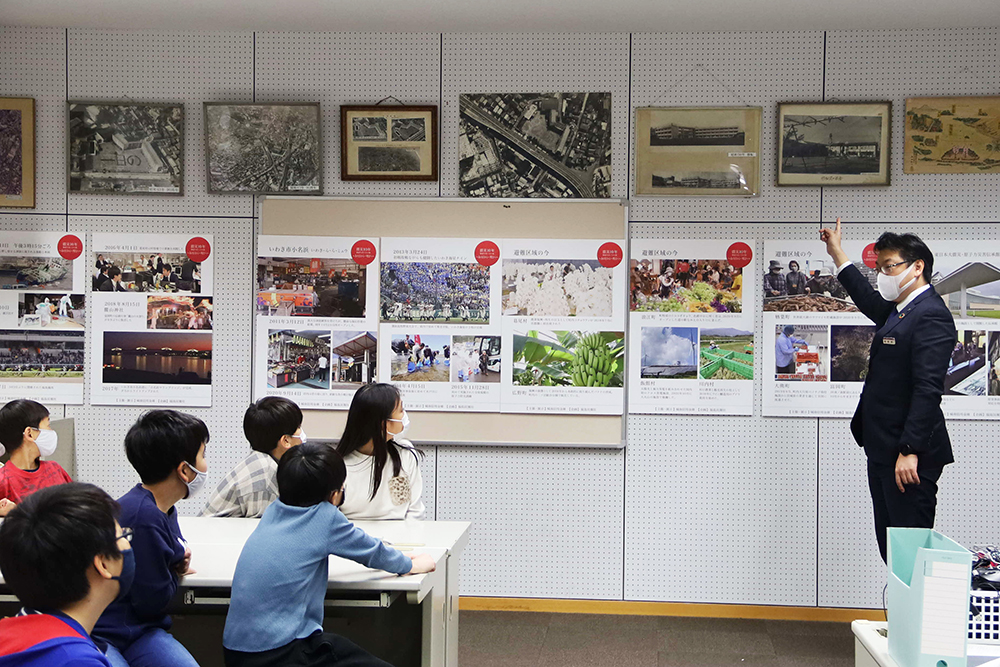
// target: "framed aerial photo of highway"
[[126, 148], [17, 152], [264, 149], [395, 143], [700, 152], [834, 143], [952, 135]]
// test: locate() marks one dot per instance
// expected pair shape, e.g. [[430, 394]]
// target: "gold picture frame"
[[952, 135], [388, 143]]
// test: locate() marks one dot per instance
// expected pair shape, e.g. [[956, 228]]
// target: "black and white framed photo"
[[708, 151], [264, 149], [125, 148], [17, 152], [388, 143], [834, 143]]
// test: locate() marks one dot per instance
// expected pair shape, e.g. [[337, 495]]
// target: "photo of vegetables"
[[685, 286], [569, 358]]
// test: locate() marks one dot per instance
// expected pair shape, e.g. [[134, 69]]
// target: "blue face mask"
[[127, 576]]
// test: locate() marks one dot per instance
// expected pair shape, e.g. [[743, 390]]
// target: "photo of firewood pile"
[[817, 303]]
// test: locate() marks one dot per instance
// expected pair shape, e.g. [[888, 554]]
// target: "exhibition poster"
[[564, 324], [152, 320], [316, 318], [440, 312], [692, 326], [43, 317]]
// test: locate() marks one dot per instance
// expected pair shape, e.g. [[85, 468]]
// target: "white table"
[[871, 649]]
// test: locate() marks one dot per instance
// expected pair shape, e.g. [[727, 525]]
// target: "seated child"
[[276, 608], [383, 469], [167, 449], [66, 558], [273, 425], [25, 433]]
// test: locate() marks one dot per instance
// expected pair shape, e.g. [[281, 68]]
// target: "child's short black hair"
[[17, 416], [114, 271], [161, 440], [49, 541], [268, 419], [309, 474]]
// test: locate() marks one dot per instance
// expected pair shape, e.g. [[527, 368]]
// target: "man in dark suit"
[[114, 281], [899, 420]]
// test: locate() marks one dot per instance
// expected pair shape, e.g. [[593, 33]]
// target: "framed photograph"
[[834, 143], [264, 149], [125, 148], [952, 135], [17, 152], [394, 143], [705, 152]]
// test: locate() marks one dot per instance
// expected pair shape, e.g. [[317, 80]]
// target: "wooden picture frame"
[[388, 143], [238, 154], [697, 151], [834, 143], [952, 135], [106, 140], [17, 138]]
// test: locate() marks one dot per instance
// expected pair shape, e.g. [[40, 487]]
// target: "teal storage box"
[[929, 580]]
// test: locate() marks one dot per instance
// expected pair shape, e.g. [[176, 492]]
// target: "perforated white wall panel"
[[546, 523], [893, 65], [33, 64], [350, 68], [729, 69], [535, 63], [166, 67]]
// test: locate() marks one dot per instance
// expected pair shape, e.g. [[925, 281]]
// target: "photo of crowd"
[[52, 356], [310, 287], [993, 387], [967, 374], [475, 359], [809, 285], [298, 359], [800, 352], [49, 310], [685, 286], [435, 292], [421, 358], [157, 357], [557, 288], [179, 312], [145, 272], [48, 273]]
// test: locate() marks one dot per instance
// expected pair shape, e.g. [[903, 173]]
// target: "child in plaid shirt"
[[273, 425]]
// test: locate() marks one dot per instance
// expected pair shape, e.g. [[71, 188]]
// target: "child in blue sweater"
[[167, 449], [276, 609]]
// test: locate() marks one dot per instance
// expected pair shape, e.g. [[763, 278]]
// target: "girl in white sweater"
[[383, 469]]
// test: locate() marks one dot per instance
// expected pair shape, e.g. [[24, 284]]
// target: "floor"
[[519, 639]]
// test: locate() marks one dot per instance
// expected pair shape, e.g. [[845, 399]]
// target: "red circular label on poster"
[[198, 249], [70, 247], [869, 255], [487, 253], [610, 255], [363, 252], [739, 255]]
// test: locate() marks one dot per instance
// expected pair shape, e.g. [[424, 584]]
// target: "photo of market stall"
[[353, 362], [685, 286], [310, 287], [298, 359]]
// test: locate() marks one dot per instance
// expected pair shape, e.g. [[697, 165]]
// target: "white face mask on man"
[[890, 287]]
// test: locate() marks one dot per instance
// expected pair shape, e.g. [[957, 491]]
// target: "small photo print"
[[435, 292], [366, 128], [149, 271], [388, 159], [669, 353], [157, 357], [568, 358], [49, 273], [421, 358], [408, 129], [51, 311], [849, 352], [800, 352], [35, 356], [178, 312], [310, 287], [994, 374], [967, 373], [557, 288], [474, 359], [726, 354], [685, 286]]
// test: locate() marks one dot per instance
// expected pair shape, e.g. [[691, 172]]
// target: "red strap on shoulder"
[[23, 632]]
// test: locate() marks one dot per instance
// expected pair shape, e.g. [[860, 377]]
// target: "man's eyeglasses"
[[126, 535], [889, 267]]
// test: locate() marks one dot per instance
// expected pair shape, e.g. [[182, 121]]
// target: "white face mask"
[[890, 287], [405, 421], [303, 439], [47, 442], [196, 484]]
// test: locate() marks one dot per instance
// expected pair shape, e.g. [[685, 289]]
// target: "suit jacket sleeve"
[[931, 355], [868, 301]]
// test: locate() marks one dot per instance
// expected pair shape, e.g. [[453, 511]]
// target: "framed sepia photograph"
[[388, 143], [125, 148], [952, 135], [704, 152], [830, 143], [17, 152], [264, 149]]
